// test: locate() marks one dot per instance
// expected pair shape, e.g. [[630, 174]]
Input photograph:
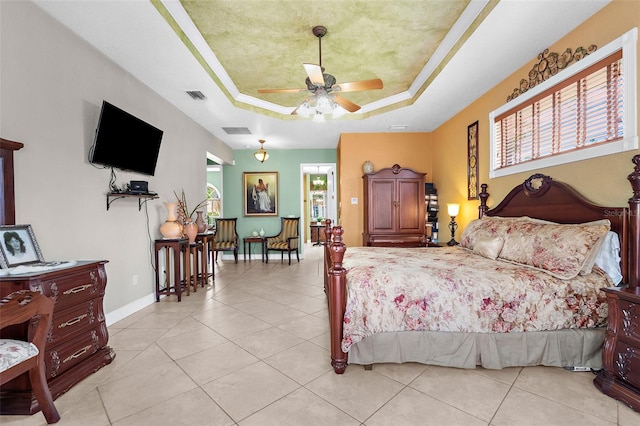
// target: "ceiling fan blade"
[[281, 90], [315, 73], [356, 86], [346, 103]]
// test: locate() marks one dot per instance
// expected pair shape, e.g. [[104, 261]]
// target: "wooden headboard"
[[543, 198]]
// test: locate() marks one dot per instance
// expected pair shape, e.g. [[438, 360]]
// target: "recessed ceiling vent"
[[237, 130], [195, 94]]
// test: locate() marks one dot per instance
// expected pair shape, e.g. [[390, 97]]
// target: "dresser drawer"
[[629, 322], [61, 358], [72, 289], [627, 363], [72, 320]]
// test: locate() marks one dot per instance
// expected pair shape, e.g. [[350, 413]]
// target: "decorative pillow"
[[488, 247], [558, 249], [590, 261], [487, 228], [591, 258]]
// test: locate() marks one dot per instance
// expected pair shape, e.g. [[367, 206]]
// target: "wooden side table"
[[317, 232], [192, 266], [173, 248], [620, 378], [247, 243], [207, 240]]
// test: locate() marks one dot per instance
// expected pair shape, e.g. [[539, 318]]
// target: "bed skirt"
[[560, 348]]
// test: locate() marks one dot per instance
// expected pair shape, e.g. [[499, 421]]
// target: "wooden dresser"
[[77, 341], [394, 209], [620, 378]]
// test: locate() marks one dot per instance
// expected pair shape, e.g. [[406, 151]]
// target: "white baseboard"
[[133, 307]]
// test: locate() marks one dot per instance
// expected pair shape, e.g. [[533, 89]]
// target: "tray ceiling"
[[434, 57]]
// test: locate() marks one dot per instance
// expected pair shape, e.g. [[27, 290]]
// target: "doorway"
[[319, 198]]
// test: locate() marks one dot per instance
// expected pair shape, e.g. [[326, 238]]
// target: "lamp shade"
[[453, 209], [261, 155]]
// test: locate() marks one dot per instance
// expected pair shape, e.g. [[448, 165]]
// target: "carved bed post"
[[337, 300], [327, 255], [634, 228], [484, 195]]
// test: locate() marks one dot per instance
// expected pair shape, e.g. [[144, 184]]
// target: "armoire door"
[[410, 206], [382, 211]]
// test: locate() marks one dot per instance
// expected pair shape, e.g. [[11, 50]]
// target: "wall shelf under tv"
[[142, 198]]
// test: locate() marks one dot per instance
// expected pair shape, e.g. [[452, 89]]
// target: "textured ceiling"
[[262, 44]]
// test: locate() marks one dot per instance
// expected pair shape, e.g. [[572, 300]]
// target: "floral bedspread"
[[453, 289]]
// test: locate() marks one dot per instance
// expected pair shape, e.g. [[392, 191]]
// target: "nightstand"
[[620, 378]]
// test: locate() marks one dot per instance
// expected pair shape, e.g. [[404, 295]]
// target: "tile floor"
[[253, 350]]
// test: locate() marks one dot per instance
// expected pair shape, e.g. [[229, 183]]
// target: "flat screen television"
[[125, 141]]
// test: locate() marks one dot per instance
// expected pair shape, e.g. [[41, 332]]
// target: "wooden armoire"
[[394, 208]]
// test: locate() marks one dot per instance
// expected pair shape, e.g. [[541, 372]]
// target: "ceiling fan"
[[323, 89]]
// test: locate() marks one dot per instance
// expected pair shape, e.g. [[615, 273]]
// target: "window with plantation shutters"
[[584, 111]]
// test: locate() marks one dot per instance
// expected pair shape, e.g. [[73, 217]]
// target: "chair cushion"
[[279, 246], [14, 352], [224, 245]]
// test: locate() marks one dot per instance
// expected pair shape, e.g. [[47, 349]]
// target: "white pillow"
[[488, 247], [608, 257]]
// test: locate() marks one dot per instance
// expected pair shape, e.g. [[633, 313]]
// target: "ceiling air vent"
[[237, 130], [195, 94]]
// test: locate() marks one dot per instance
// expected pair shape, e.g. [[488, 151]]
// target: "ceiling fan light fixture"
[[324, 105], [318, 118], [338, 111], [304, 109], [261, 155]]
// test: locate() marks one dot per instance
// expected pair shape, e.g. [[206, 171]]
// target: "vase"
[[191, 230], [202, 225], [367, 167], [171, 229], [262, 232]]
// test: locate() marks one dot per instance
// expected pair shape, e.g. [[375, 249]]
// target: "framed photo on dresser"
[[18, 246]]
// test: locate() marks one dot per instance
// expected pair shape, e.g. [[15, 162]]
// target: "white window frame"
[[626, 42]]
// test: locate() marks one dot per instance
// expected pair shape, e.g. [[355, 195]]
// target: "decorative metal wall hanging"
[[548, 65], [472, 161]]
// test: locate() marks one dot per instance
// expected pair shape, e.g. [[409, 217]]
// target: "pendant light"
[[261, 155]]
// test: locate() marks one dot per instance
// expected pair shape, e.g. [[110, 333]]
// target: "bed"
[[539, 303]]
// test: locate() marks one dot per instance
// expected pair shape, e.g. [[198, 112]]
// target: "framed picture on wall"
[[260, 193], [472, 161], [18, 246]]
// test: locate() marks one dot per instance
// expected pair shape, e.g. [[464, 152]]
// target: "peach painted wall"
[[603, 180], [409, 150]]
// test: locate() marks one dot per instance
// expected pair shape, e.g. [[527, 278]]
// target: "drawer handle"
[[73, 321], [77, 354], [78, 289]]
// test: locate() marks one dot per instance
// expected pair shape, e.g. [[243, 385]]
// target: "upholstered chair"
[[287, 240], [17, 356], [226, 237]]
